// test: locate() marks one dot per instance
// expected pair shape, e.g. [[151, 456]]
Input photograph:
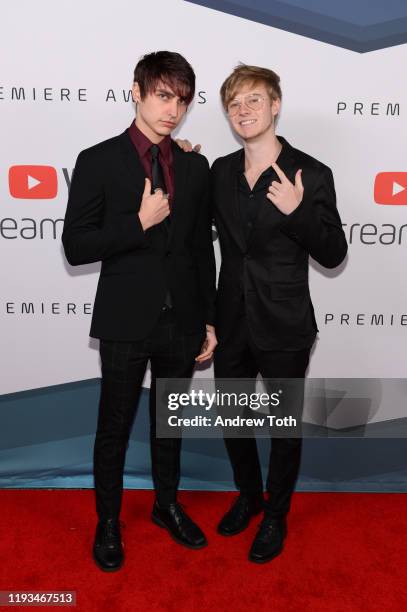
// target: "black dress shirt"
[[250, 200]]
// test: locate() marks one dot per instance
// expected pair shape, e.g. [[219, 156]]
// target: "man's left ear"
[[275, 107]]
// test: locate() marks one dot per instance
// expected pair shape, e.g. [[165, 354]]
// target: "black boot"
[[239, 515], [108, 548]]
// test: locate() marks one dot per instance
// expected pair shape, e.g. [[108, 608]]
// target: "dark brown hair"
[[169, 68], [244, 74]]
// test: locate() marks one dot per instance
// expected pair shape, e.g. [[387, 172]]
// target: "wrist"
[[143, 221]]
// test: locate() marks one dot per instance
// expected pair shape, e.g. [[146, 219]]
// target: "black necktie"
[[158, 182], [157, 174]]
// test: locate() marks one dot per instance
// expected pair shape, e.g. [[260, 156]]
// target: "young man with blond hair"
[[274, 206]]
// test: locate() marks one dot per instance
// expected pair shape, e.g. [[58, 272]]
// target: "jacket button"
[[168, 253]]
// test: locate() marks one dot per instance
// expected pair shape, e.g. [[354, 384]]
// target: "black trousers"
[[172, 355], [239, 357]]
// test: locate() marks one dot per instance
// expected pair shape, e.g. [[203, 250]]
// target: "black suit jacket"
[[270, 268], [102, 224]]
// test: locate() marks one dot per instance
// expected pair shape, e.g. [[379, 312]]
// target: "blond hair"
[[244, 74]]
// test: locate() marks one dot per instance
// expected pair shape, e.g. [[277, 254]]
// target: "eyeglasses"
[[253, 101]]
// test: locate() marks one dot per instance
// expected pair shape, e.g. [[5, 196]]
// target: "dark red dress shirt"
[[143, 144]]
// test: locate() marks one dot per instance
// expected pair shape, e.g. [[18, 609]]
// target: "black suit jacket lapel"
[[132, 165], [180, 165]]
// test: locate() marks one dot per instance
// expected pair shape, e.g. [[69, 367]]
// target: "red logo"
[[33, 182], [391, 188]]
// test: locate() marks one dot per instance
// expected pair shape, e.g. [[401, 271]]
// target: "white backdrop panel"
[[93, 46]]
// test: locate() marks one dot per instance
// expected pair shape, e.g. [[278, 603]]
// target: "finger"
[[197, 148], [279, 172], [185, 145], [204, 356], [166, 205], [274, 192], [212, 342], [204, 348], [159, 191], [298, 180], [147, 187], [275, 185], [272, 197]]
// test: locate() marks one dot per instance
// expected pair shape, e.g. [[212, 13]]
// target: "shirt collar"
[[280, 159], [143, 144]]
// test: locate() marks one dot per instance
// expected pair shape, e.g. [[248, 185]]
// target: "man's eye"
[[163, 96]]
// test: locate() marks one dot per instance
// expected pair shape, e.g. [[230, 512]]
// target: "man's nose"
[[243, 109], [173, 108]]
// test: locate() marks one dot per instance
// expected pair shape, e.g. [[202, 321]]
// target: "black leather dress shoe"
[[239, 515], [269, 540], [108, 548], [181, 528]]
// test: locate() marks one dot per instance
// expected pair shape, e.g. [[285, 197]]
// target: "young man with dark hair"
[[140, 205], [274, 206]]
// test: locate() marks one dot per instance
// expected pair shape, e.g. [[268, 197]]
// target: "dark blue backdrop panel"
[[361, 25], [46, 440]]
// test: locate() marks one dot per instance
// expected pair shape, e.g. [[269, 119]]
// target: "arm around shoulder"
[[203, 247]]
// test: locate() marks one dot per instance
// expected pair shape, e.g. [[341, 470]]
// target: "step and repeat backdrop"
[[65, 84]]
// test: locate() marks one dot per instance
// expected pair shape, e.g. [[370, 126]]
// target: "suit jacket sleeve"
[[316, 223], [86, 238], [203, 250]]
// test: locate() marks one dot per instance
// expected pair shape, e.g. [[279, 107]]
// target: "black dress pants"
[[172, 355], [239, 357]]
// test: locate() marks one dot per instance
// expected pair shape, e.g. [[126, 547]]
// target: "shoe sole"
[[233, 533], [266, 559], [107, 569], [158, 522]]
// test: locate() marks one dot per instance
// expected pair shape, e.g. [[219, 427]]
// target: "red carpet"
[[344, 551]]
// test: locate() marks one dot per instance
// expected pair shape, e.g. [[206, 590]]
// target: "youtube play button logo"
[[33, 182], [391, 188]]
